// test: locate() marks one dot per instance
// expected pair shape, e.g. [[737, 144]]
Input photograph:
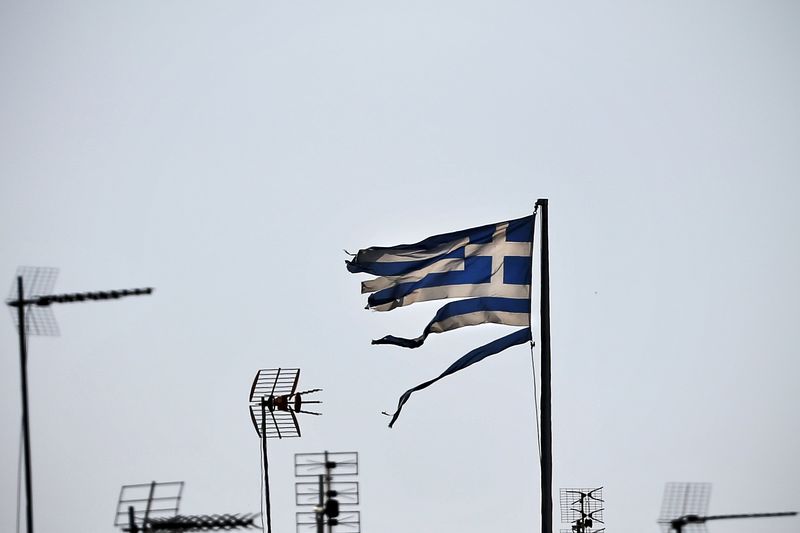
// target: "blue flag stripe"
[[477, 270], [460, 307], [478, 354]]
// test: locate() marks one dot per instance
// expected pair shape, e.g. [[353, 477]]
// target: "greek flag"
[[488, 268]]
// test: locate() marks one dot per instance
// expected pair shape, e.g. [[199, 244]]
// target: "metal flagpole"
[[23, 355], [546, 460]]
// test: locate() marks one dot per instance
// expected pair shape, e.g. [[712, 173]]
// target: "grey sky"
[[226, 152]]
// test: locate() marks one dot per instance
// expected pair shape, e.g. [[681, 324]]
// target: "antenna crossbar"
[[45, 300]]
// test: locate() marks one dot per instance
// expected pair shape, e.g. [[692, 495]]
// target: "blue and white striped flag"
[[488, 267]]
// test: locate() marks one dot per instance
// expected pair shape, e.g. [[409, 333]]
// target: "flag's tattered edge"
[[478, 354]]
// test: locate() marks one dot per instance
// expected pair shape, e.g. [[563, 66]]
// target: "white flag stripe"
[[457, 291], [446, 265], [480, 317]]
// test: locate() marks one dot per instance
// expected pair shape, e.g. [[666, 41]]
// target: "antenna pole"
[[132, 520], [266, 464], [23, 363], [544, 311], [321, 509], [149, 505], [328, 487]]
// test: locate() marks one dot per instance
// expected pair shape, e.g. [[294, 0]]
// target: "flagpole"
[[546, 459]]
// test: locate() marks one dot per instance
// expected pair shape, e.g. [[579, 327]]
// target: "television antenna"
[[685, 508], [583, 509], [152, 507], [333, 494], [30, 300], [274, 404]]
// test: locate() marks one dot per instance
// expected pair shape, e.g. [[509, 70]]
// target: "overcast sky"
[[226, 153]]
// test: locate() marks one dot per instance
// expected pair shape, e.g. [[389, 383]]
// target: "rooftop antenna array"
[[685, 508], [583, 509], [333, 493], [274, 405], [30, 299], [152, 507]]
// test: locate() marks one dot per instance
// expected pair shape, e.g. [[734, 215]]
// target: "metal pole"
[[132, 520], [149, 505], [547, 444], [328, 487], [321, 508], [23, 363], [583, 513], [266, 464]]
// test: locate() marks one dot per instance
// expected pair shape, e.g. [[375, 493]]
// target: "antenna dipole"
[[38, 320]]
